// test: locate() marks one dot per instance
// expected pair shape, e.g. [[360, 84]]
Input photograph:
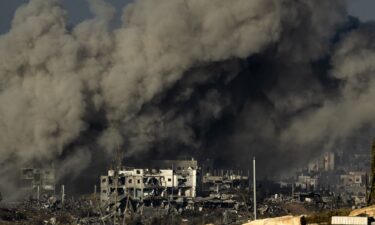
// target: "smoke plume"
[[179, 78]]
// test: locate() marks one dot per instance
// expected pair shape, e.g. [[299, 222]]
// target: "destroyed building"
[[223, 180], [184, 182], [170, 180], [37, 181], [325, 162], [307, 182]]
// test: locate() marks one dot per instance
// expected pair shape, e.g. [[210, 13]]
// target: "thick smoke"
[[353, 108], [179, 78]]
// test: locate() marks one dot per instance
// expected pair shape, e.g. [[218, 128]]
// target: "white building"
[[141, 184]]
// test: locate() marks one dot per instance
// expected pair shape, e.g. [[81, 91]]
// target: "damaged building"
[[167, 180], [180, 184], [220, 181], [37, 181]]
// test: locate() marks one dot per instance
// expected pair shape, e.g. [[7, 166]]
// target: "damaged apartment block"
[[37, 181], [171, 180], [180, 183]]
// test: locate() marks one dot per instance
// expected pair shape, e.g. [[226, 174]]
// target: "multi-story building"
[[329, 161], [353, 178], [37, 181], [179, 181], [324, 163], [222, 181], [307, 182]]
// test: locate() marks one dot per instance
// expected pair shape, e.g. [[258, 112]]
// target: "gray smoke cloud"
[[353, 108], [219, 79]]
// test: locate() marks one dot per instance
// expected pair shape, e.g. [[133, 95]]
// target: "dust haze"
[[183, 78]]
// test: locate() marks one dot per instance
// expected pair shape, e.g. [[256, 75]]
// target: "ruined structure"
[[177, 182], [325, 162], [222, 181], [37, 181]]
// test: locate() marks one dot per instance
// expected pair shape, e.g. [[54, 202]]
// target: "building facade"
[[142, 184], [37, 181]]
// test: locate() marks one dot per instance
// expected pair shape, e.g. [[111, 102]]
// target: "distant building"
[[329, 161], [314, 166], [207, 167], [307, 182], [178, 181], [34, 179], [225, 181], [353, 178], [325, 162], [354, 184]]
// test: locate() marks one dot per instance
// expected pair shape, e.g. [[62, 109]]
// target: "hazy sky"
[[364, 9], [78, 10]]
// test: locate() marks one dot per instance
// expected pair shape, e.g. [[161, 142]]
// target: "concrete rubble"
[[170, 192]]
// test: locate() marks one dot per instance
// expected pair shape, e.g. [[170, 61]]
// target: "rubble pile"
[[174, 192], [11, 214], [49, 211], [85, 211]]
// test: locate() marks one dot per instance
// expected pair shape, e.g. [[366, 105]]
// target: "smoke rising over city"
[[183, 78]]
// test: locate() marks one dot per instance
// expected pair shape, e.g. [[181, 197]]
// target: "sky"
[[364, 9], [78, 10]]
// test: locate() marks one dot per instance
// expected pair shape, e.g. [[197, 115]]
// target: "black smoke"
[[282, 80]]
